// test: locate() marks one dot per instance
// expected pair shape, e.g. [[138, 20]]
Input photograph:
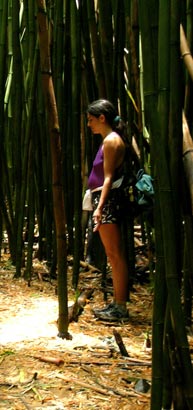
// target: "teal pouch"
[[144, 188]]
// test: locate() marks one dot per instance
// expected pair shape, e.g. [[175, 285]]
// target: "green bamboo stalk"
[[169, 235], [62, 80], [30, 63], [88, 73], [118, 56], [96, 48], [106, 37], [24, 34], [31, 43], [31, 214], [189, 13], [128, 60], [89, 93], [188, 211], [159, 356], [150, 98], [175, 119], [169, 363], [175, 165], [2, 8], [188, 26], [66, 138], [7, 104], [3, 28], [176, 155], [7, 155], [8, 225], [188, 268], [17, 94], [5, 181], [28, 136]]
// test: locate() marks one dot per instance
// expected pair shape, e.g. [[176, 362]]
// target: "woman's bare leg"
[[110, 235]]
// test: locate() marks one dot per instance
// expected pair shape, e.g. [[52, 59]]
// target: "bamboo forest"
[[56, 57]]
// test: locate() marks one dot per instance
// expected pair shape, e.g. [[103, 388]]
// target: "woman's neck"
[[106, 132]]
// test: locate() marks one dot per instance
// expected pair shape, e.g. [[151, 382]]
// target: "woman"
[[104, 181]]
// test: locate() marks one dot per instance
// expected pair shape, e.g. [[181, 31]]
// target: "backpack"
[[138, 192]]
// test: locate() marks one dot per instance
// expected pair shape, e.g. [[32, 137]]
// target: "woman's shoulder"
[[112, 138], [114, 147]]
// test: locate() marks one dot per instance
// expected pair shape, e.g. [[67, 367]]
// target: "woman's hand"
[[97, 216]]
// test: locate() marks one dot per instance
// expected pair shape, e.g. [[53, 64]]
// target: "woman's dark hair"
[[106, 108]]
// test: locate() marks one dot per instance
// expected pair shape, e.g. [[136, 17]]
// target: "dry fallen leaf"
[[92, 371]]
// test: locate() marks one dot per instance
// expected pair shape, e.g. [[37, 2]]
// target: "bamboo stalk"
[[96, 48], [185, 52], [18, 92], [27, 139], [165, 185], [75, 135], [150, 100], [106, 37], [55, 143], [119, 93], [188, 157]]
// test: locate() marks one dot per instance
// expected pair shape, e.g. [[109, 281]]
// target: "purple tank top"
[[96, 177]]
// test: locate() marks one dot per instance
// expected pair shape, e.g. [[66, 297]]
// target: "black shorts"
[[113, 209]]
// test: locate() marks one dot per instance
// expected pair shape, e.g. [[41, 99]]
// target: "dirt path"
[[93, 374]]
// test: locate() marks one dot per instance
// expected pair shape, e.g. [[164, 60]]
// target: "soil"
[[90, 371]]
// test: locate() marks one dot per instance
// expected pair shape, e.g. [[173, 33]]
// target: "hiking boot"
[[104, 309], [114, 313]]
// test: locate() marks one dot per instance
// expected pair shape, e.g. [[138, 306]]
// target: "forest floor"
[[91, 373]]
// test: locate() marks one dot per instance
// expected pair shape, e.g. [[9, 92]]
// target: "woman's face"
[[95, 123]]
